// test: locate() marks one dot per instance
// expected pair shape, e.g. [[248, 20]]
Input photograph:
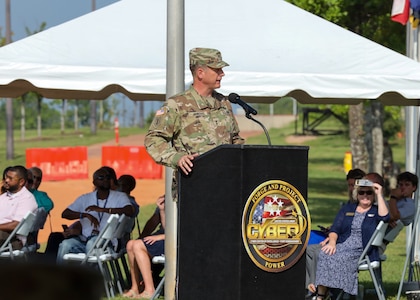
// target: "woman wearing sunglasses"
[[352, 228]]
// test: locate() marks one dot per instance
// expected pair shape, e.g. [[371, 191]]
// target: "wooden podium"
[[233, 227]]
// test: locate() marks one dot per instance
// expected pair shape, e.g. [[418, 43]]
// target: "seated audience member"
[[37, 177], [3, 189], [151, 243], [15, 203], [93, 210], [126, 184], [349, 234], [55, 239], [33, 182], [401, 204], [113, 175], [351, 178], [312, 251]]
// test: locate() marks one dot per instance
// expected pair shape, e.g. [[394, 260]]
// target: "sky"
[[32, 13]]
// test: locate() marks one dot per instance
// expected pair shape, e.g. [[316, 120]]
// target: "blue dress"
[[340, 269]]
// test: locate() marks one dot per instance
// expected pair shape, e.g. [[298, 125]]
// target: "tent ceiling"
[[274, 49]]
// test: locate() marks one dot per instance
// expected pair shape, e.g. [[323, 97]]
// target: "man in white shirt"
[[93, 209], [15, 203]]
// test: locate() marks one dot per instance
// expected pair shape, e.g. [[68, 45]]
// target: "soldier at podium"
[[196, 120]]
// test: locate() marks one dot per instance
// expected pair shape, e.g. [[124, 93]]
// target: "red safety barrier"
[[59, 163], [133, 160]]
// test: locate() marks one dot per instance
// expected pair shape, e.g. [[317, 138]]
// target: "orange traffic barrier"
[[59, 163], [133, 160]]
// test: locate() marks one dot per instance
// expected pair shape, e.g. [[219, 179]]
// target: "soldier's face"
[[212, 77]]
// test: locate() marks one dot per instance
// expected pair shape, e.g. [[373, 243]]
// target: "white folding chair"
[[40, 217], [118, 261], [365, 264], [100, 253], [160, 259], [21, 231], [393, 233]]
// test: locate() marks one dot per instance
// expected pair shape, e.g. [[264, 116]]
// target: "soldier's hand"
[[185, 163]]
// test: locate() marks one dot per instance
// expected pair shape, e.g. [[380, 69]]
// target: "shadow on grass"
[[390, 289]]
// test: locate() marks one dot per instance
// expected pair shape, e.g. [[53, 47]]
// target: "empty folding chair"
[[32, 243]]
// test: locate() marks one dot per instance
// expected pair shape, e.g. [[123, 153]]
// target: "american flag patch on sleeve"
[[160, 112]]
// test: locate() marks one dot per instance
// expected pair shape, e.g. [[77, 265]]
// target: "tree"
[[371, 19]]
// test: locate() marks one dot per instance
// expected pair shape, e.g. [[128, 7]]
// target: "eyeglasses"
[[365, 192], [102, 177]]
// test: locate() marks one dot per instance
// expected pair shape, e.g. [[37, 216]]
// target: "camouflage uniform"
[[189, 123]]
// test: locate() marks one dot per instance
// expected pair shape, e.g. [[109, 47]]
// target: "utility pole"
[[9, 103]]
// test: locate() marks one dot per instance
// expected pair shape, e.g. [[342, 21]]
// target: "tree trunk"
[[357, 137], [92, 116], [22, 118], [371, 152], [374, 117], [39, 124], [76, 116], [141, 114], [63, 115]]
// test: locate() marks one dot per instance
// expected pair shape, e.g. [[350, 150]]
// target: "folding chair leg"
[[119, 276], [108, 284], [159, 289], [126, 271], [115, 276], [378, 273], [378, 286]]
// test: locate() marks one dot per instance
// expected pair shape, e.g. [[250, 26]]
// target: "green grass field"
[[326, 182]]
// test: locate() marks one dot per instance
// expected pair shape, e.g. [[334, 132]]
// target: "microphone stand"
[[248, 115]]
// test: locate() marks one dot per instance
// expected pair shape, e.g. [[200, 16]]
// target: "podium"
[[231, 245]]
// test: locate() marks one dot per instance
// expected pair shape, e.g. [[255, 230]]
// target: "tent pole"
[[412, 131], [412, 124], [175, 83]]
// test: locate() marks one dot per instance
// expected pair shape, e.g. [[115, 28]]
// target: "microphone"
[[234, 98]]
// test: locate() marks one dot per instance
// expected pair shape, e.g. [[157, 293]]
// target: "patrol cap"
[[207, 57]]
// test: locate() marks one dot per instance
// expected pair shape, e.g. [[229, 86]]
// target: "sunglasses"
[[365, 192], [102, 177]]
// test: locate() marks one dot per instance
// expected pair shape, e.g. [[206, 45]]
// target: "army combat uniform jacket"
[[188, 124]]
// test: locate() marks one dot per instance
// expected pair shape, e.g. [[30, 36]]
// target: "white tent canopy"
[[274, 48]]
